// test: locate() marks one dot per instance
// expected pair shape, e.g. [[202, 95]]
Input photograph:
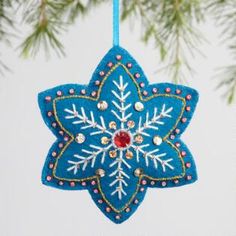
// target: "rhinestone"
[[138, 139], [130, 124], [105, 140], [112, 125], [100, 172], [122, 139], [157, 140], [102, 105], [113, 153], [80, 138], [138, 106], [129, 155], [72, 184], [138, 172]]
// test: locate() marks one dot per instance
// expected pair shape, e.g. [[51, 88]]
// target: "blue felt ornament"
[[118, 135]]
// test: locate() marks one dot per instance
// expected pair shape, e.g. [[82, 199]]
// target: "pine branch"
[[45, 18], [6, 28], [171, 24], [224, 13]]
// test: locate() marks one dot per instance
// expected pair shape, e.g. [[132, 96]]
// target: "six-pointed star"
[[118, 135]]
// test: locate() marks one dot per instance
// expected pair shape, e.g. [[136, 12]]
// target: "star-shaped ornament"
[[118, 135]]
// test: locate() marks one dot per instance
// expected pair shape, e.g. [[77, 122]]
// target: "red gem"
[[122, 139]]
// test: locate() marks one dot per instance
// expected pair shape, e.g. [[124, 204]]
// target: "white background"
[[27, 208]]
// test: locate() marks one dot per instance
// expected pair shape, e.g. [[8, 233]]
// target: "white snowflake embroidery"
[[118, 177]]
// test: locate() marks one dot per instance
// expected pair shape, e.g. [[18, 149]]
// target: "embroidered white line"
[[155, 120], [120, 176], [84, 160], [88, 122], [155, 158], [121, 107]]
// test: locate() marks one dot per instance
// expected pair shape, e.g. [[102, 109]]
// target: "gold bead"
[[129, 155], [100, 172], [130, 124], [138, 139], [105, 140], [112, 125], [138, 172], [113, 153], [138, 106], [157, 140], [102, 105]]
